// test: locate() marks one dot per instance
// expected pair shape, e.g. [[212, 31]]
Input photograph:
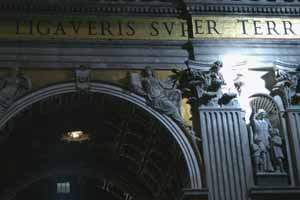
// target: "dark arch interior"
[[127, 146]]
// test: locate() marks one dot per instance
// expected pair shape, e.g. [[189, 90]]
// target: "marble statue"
[[161, 95], [262, 129], [276, 150], [11, 88]]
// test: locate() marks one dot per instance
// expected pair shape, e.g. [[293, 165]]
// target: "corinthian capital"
[[287, 82]]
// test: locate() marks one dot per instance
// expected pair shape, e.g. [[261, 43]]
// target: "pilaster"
[[226, 153], [293, 116]]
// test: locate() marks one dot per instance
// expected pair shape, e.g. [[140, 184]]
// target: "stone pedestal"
[[271, 179], [275, 193], [191, 194], [226, 153], [293, 122]]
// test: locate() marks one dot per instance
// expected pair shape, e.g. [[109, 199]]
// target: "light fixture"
[[75, 136]]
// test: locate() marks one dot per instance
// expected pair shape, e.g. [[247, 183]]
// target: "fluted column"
[[293, 115], [226, 153]]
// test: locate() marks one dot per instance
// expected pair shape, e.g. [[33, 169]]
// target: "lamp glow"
[[75, 136]]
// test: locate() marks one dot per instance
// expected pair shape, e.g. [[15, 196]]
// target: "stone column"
[[219, 122], [293, 121], [226, 153]]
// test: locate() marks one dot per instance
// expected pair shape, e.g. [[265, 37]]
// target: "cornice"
[[92, 7], [247, 2], [152, 7], [250, 7]]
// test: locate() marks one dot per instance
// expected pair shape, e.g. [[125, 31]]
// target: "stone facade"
[[206, 142]]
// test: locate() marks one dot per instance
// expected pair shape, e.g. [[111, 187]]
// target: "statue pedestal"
[[226, 153], [192, 194], [272, 179], [275, 193]]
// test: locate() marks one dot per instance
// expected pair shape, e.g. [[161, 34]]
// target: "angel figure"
[[161, 95]]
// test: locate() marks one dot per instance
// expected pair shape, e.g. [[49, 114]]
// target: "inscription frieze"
[[94, 28], [146, 28], [246, 27]]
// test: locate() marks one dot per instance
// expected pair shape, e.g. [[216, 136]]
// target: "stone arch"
[[183, 141]]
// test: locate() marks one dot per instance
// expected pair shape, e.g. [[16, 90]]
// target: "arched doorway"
[[139, 151]]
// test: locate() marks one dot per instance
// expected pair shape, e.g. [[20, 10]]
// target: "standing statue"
[[11, 88], [276, 150], [162, 95], [262, 129]]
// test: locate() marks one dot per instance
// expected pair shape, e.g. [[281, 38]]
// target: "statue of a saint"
[[276, 150], [262, 129]]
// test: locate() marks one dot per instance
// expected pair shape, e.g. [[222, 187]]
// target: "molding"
[[152, 8], [190, 194], [263, 7], [92, 7], [275, 193], [112, 54]]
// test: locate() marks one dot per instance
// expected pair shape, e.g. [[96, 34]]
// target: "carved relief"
[[162, 95], [82, 77], [204, 85], [12, 88], [266, 139]]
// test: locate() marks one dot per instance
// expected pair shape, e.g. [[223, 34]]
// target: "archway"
[[116, 108]]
